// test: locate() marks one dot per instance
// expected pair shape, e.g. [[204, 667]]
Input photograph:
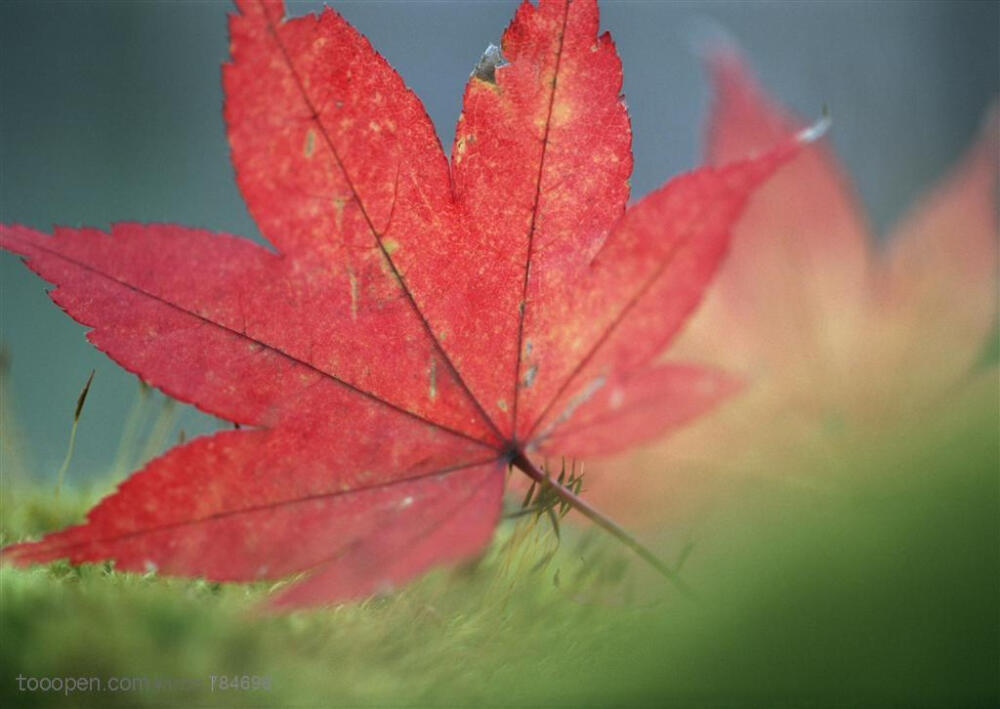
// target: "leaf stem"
[[521, 462]]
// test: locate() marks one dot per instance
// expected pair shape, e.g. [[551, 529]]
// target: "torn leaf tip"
[[486, 67]]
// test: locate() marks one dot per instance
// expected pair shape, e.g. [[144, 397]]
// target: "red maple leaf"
[[421, 327]]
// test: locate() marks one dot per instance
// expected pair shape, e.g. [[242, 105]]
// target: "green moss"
[[882, 591]]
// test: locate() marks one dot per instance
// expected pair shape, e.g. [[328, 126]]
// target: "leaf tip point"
[[711, 41], [812, 133]]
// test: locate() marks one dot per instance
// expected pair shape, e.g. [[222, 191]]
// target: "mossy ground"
[[882, 592]]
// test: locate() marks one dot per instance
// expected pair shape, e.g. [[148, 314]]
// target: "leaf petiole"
[[522, 463]]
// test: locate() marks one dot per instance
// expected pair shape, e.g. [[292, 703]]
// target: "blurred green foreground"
[[883, 589]]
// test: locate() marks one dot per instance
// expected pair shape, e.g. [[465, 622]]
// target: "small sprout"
[[542, 498], [80, 401], [527, 498]]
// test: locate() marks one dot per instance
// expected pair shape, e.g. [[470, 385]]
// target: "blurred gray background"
[[111, 111]]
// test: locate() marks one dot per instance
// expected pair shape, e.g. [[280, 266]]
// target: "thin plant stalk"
[[160, 434], [130, 434], [72, 433]]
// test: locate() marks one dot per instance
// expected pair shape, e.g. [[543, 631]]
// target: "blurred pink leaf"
[[839, 339]]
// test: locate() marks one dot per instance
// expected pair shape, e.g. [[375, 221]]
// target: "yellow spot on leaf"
[[432, 377], [353, 280], [501, 404], [310, 145], [562, 112], [338, 214], [391, 246]]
